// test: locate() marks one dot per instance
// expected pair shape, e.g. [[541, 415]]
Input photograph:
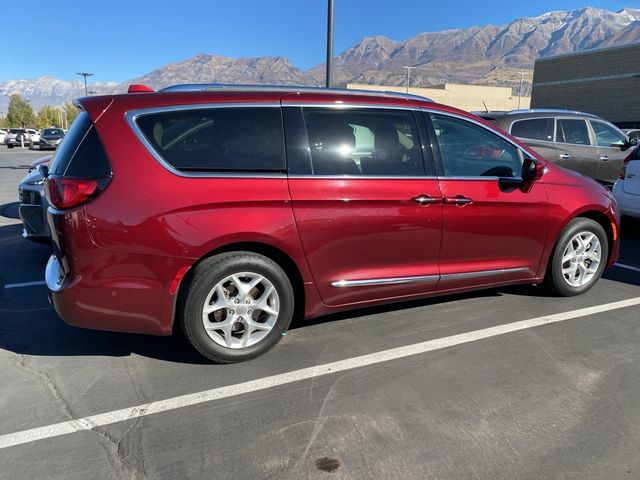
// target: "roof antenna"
[[486, 110]]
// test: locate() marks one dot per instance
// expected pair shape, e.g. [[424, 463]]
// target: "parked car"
[[227, 211], [632, 133], [627, 189], [33, 203], [3, 135], [16, 137], [50, 138], [574, 140], [34, 137]]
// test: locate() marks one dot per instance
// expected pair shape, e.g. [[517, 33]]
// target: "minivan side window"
[[363, 142], [607, 136], [243, 139], [572, 131], [470, 150], [533, 129]]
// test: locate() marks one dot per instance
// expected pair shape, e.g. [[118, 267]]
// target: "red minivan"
[[227, 211]]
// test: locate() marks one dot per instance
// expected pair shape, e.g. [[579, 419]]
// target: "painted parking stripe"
[[108, 418], [25, 284], [628, 267]]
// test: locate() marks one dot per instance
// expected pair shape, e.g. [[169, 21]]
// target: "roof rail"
[[199, 87]]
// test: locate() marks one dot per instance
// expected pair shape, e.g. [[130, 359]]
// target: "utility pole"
[[329, 42], [520, 92], [408, 70], [85, 75]]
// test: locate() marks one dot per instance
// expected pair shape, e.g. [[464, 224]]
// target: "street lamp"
[[85, 75], [520, 92], [329, 43], [408, 70]]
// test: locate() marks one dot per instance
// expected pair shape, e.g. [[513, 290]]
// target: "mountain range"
[[485, 55]]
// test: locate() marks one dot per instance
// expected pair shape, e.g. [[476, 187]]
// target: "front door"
[[369, 217], [493, 230], [609, 140]]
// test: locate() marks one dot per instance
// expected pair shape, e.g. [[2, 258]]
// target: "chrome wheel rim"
[[240, 310], [581, 259]]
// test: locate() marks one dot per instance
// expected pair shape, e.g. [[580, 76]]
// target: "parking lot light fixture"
[[85, 75], [408, 77]]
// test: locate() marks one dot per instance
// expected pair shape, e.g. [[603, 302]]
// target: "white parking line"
[[25, 284], [108, 418], [628, 267]]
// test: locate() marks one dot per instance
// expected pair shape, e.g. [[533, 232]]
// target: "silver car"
[[575, 140]]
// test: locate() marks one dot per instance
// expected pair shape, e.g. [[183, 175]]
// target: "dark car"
[[227, 211], [50, 138], [575, 140], [33, 203]]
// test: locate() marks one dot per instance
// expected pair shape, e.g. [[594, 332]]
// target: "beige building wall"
[[465, 97]]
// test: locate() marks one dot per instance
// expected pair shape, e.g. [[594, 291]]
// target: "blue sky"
[[119, 40]]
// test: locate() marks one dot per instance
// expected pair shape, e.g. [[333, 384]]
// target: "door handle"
[[565, 156], [424, 199], [457, 200], [604, 158]]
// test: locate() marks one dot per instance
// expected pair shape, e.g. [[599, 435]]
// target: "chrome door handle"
[[426, 199], [457, 200], [565, 156], [604, 158]]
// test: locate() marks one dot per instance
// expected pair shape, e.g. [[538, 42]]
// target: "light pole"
[[329, 42], [408, 70], [520, 92], [85, 75]]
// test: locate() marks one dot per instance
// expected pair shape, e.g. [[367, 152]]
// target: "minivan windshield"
[[53, 131]]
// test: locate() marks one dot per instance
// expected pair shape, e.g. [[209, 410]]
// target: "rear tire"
[[237, 306], [578, 259]]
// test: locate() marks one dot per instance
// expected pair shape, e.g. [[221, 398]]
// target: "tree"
[[70, 113], [20, 113], [47, 117]]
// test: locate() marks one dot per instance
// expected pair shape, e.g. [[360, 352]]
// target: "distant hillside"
[[487, 55]]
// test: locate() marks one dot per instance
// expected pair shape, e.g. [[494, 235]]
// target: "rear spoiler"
[[139, 88]]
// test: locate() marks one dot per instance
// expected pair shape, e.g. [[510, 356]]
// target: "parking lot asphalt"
[[558, 400]]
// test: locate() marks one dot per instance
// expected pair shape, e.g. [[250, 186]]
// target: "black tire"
[[10, 146], [206, 276], [554, 279]]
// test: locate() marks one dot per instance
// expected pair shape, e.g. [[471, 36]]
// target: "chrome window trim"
[[426, 278], [344, 106], [385, 281], [360, 177], [132, 115]]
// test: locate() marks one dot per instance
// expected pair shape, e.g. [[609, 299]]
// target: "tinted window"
[[81, 153], [607, 136], [217, 139], [369, 142], [470, 150], [534, 129], [66, 149], [572, 131], [53, 131]]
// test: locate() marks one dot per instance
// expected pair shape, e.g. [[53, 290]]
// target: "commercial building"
[[466, 97], [605, 82]]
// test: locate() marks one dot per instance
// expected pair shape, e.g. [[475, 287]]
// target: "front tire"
[[578, 259], [237, 306]]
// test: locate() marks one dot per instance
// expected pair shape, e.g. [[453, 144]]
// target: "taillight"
[[65, 192], [627, 159]]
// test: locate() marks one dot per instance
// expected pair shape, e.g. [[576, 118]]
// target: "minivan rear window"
[[81, 154], [228, 139]]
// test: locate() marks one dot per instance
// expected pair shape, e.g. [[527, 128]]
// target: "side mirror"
[[44, 170], [532, 169]]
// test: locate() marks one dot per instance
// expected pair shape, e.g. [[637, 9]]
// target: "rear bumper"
[[103, 298], [628, 203]]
